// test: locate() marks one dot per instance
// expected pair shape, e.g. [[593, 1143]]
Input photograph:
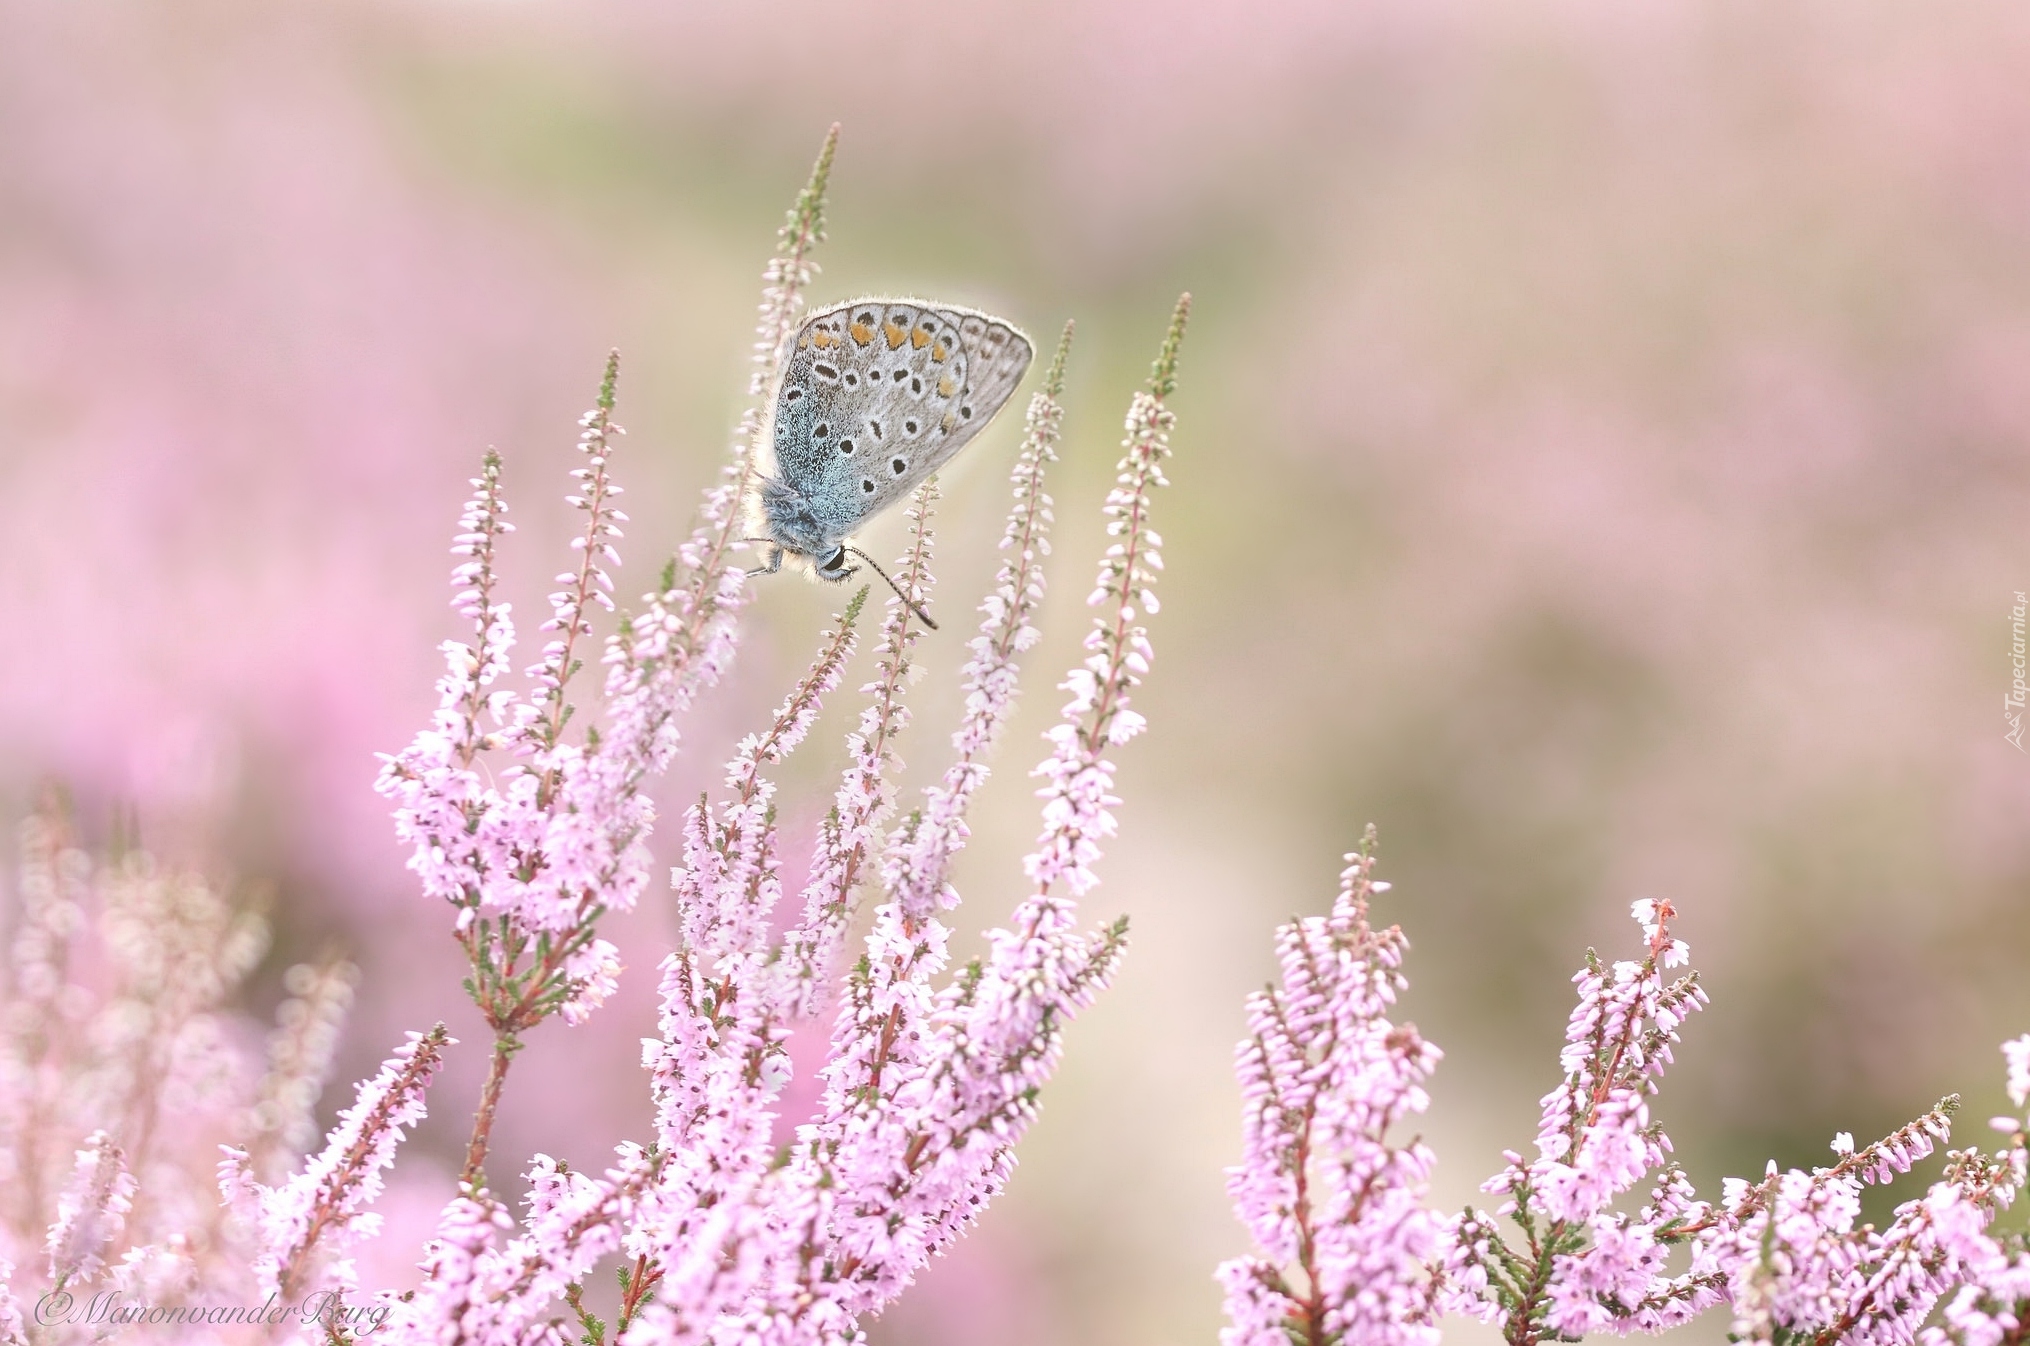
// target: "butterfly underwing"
[[873, 397]]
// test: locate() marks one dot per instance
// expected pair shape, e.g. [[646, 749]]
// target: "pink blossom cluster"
[[1336, 1209], [929, 1080], [124, 1072], [1349, 1250], [324, 1207], [532, 826]]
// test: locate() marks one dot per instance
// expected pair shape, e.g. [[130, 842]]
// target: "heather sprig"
[[928, 1091], [1575, 1264], [927, 1087], [91, 1215], [323, 1209], [1335, 1203], [531, 854], [920, 851], [849, 840], [127, 1069], [1347, 1250]]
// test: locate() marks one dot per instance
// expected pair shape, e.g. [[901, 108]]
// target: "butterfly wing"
[[877, 395]]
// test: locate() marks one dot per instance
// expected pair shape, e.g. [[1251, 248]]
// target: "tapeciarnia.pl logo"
[[2012, 703], [111, 1308]]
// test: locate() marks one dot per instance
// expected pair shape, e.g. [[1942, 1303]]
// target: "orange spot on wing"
[[896, 336], [950, 421], [862, 333], [803, 343], [918, 339], [947, 385]]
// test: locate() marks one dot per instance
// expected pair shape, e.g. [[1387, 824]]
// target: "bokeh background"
[[1601, 464]]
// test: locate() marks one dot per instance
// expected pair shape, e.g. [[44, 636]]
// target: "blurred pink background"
[[1603, 463]]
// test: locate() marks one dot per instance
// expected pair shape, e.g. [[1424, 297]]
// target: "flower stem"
[[505, 1045]]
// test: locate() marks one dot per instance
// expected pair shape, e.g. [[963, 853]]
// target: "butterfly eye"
[[845, 446], [898, 465]]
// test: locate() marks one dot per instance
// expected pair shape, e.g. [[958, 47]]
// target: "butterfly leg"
[[774, 563]]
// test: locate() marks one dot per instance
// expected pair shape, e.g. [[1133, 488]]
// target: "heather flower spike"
[[928, 1085], [1335, 1204], [1580, 1264], [324, 1208], [92, 1213], [920, 851], [534, 851], [1349, 1252]]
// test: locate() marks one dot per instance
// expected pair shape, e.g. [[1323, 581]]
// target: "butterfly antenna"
[[914, 606]]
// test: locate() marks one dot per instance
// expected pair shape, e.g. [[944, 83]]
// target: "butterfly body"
[[873, 397]]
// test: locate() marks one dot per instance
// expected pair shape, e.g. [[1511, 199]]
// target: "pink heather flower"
[[728, 997], [927, 1089], [850, 839], [1336, 1210], [580, 812], [720, 1059], [1586, 1267], [1078, 800], [1992, 1306], [487, 1291], [91, 1215], [926, 1096], [2017, 1054], [443, 1312], [169, 1270], [920, 853], [532, 853], [13, 1331], [593, 973], [559, 834], [324, 1208], [885, 1024], [1793, 1258]]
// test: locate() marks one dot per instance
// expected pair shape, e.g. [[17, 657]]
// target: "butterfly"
[[874, 396]]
